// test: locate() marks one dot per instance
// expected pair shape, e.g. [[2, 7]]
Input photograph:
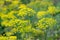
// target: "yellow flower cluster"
[[41, 14], [12, 38], [26, 29], [16, 2], [46, 22], [24, 26], [52, 9], [3, 38], [14, 22], [4, 8], [9, 33], [22, 6], [3, 16], [8, 38], [26, 12], [37, 32], [7, 16]]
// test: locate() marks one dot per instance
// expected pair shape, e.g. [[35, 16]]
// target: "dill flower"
[[12, 38], [8, 33], [11, 15], [3, 16], [22, 6], [15, 2], [52, 9], [8, 16], [6, 23], [37, 32], [27, 12], [4, 8], [41, 14], [3, 38], [46, 22], [14, 30]]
